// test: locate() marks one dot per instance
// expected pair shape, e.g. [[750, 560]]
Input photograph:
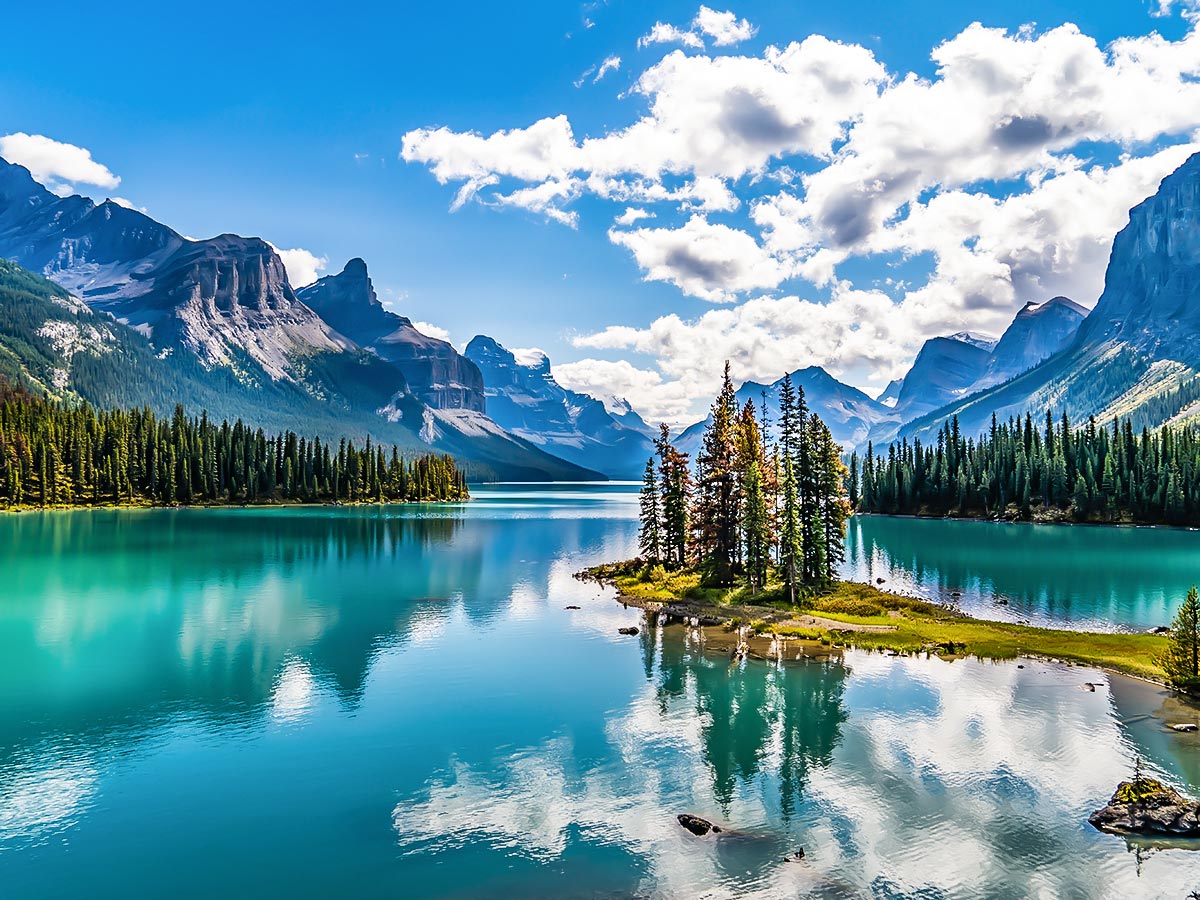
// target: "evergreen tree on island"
[[1181, 661], [749, 514]]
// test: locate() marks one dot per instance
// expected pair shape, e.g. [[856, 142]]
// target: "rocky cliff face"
[[436, 372], [945, 369], [1138, 352], [1151, 298], [91, 250], [524, 398], [1037, 332]]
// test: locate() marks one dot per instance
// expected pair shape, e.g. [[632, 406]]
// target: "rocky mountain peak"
[[1153, 274]]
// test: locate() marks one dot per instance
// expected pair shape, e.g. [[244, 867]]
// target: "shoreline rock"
[[1148, 807]]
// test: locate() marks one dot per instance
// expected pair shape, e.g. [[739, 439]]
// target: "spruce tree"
[[1181, 661], [650, 533]]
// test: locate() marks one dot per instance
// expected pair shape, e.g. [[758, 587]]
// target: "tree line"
[[751, 505], [1017, 469], [60, 454]]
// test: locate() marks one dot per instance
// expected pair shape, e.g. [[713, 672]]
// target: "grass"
[[916, 625]]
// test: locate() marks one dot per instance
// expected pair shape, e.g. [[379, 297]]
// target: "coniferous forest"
[[1045, 471], [59, 454], [751, 507]]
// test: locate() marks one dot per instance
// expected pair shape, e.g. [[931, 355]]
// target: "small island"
[[750, 536]]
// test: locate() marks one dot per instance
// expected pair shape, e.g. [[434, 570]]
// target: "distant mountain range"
[[523, 397], [1137, 353], [215, 324], [104, 303]]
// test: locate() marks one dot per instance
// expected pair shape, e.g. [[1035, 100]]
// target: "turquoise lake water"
[[391, 702]]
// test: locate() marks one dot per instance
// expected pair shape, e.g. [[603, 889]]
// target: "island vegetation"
[[751, 534], [1020, 471], [58, 454]]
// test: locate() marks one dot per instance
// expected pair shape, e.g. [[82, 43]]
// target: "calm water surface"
[[382, 702], [1088, 577]]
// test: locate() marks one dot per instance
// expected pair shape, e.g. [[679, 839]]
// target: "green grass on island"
[[912, 626]]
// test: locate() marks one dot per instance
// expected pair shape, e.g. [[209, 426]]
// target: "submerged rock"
[[697, 825], [630, 630], [1146, 806]]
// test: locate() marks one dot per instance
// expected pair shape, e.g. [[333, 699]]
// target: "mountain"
[[1138, 352], [945, 368], [436, 372], [214, 324], [849, 413], [891, 393], [1037, 332], [524, 398]]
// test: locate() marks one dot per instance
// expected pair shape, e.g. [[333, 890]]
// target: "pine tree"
[[791, 551], [717, 506], [756, 527], [650, 533], [1181, 661]]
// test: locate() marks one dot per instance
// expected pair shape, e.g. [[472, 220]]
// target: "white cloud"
[[303, 266], [1001, 178], [856, 333], [610, 64], [706, 260], [724, 28], [662, 33], [632, 216], [57, 165], [657, 400], [529, 356], [433, 331]]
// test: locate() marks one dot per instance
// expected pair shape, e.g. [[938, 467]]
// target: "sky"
[[639, 189]]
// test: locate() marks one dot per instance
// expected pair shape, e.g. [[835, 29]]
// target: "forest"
[[752, 510], [70, 454], [1049, 471]]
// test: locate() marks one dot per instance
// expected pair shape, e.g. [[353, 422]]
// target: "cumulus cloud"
[[57, 165], [632, 216], [433, 331], [853, 335], [724, 29], [303, 266], [706, 260], [1000, 178], [662, 33]]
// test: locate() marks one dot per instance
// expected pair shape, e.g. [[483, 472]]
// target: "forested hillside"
[[1049, 471], [70, 454]]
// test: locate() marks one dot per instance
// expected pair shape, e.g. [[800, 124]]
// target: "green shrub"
[[850, 607]]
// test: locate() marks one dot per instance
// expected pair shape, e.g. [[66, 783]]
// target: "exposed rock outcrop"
[[436, 372], [1148, 807]]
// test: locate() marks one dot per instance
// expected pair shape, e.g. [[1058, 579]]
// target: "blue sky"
[[273, 120]]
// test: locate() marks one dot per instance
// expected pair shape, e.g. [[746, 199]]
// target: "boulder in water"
[[1148, 807], [1185, 726], [630, 630], [697, 825]]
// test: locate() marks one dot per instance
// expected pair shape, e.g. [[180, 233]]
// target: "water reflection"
[[1092, 577], [272, 699]]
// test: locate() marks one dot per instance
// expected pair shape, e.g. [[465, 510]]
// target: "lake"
[[394, 702]]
